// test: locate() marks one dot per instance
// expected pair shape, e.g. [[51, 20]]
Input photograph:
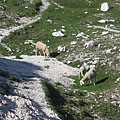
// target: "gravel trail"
[[24, 21], [27, 100]]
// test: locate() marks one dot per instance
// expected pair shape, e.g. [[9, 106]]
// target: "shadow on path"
[[20, 70]]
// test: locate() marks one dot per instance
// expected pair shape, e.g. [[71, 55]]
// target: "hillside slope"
[[77, 33], [27, 92]]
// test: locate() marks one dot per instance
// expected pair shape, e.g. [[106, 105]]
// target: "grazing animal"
[[42, 47], [83, 70], [89, 76]]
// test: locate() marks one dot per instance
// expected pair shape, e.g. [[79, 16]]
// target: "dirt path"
[[27, 100], [25, 21], [32, 69]]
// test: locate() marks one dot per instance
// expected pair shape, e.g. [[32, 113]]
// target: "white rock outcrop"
[[73, 43], [109, 51], [89, 44], [57, 34], [104, 7], [80, 34], [102, 21], [105, 32], [61, 49]]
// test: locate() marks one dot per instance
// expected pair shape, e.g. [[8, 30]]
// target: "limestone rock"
[[104, 7]]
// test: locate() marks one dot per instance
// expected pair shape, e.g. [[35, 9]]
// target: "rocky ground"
[[33, 105], [27, 99], [24, 21]]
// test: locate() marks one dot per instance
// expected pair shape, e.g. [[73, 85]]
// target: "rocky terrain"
[[27, 99], [21, 92]]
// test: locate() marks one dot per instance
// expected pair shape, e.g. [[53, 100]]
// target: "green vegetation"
[[47, 66], [9, 76], [104, 80], [72, 104], [25, 87], [13, 9], [69, 104], [6, 87], [18, 57], [61, 100], [73, 18]]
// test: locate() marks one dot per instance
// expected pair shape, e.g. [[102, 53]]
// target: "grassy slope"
[[72, 104], [73, 18], [13, 9], [75, 21]]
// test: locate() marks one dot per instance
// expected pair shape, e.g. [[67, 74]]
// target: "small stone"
[[102, 21], [80, 34], [109, 51], [68, 62], [58, 34], [105, 32], [115, 48], [73, 43], [114, 103], [89, 44]]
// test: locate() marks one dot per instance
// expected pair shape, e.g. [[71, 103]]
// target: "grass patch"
[[75, 104], [62, 102], [18, 57], [9, 76], [73, 18], [13, 10], [75, 64], [47, 66], [25, 87], [56, 104], [6, 87], [104, 80]]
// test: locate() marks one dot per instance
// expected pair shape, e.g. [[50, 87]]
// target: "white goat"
[[83, 70], [89, 76], [42, 47]]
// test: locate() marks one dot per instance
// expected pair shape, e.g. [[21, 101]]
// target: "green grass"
[[105, 79], [17, 9], [72, 104], [67, 104], [18, 57], [62, 102], [73, 18], [25, 87]]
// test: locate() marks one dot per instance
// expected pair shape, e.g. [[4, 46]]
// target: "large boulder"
[[104, 7]]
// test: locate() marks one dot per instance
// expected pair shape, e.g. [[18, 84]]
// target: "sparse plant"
[[18, 57], [47, 66], [6, 88], [25, 87], [9, 76]]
